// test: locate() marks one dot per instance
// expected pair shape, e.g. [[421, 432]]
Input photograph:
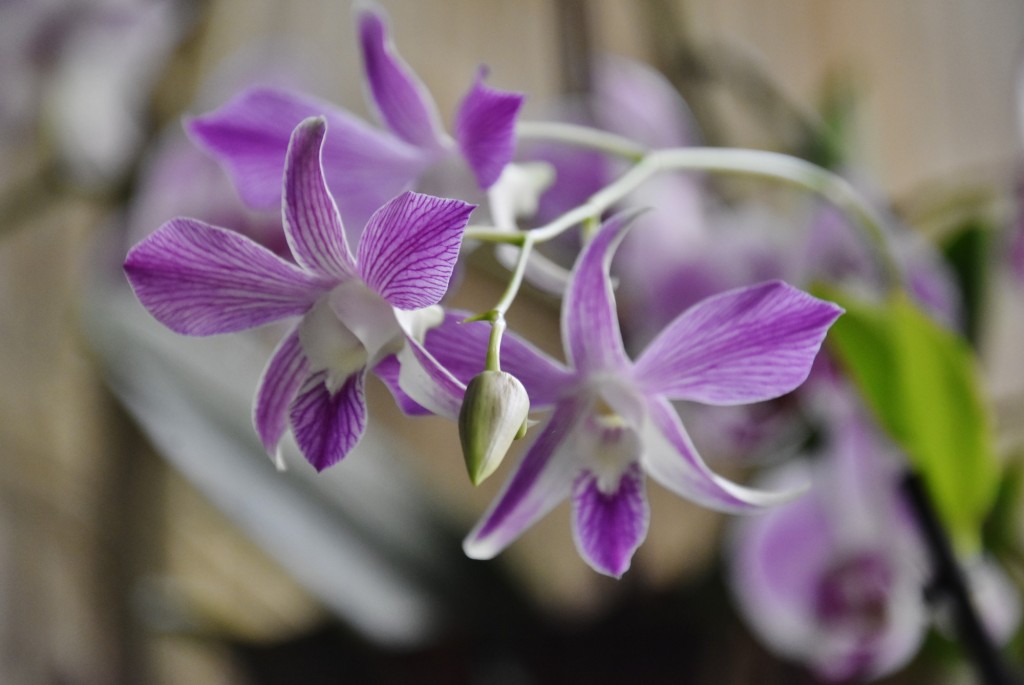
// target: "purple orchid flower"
[[198, 279], [249, 134], [834, 579], [613, 421]]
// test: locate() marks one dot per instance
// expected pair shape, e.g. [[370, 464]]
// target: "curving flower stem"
[[758, 163], [496, 315]]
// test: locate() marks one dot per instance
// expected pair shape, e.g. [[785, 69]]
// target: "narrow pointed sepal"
[[493, 414]]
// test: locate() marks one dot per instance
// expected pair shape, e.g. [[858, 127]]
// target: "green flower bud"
[[493, 414]]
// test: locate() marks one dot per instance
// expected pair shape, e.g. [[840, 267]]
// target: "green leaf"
[[922, 383]]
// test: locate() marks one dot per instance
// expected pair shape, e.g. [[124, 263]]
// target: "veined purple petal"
[[672, 460], [389, 370], [364, 166], [312, 224], [198, 279], [401, 100], [609, 527], [328, 426], [462, 349], [427, 383], [590, 323], [410, 247], [281, 379], [541, 480], [485, 129], [745, 345]]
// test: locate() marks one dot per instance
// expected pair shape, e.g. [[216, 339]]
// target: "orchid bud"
[[493, 414]]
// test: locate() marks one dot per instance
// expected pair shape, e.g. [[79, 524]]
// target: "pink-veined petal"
[[364, 166], [312, 223], [609, 527], [671, 459], [281, 380], [198, 279], [542, 479], [590, 323], [462, 349], [327, 426], [400, 98], [410, 247], [744, 345], [485, 129]]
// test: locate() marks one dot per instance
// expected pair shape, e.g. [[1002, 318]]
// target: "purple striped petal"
[[388, 371], [590, 323], [609, 526], [410, 247], [284, 374], [745, 345], [485, 129], [672, 460], [542, 479], [402, 102], [462, 349], [328, 426], [249, 135], [425, 382], [198, 279], [312, 224]]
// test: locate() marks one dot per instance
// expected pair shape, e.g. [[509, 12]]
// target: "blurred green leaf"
[[922, 383]]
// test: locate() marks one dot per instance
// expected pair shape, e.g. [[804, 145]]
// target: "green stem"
[[769, 165], [582, 136], [497, 314]]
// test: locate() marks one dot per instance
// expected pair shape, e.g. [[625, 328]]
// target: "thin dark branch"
[[948, 583]]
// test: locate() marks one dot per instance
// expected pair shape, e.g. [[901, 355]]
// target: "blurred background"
[[144, 537]]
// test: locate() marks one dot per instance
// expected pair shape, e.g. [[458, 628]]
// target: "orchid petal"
[[427, 383], [410, 247], [777, 560], [281, 380], [327, 426], [745, 345], [590, 324], [402, 102], [388, 370], [542, 479], [312, 224], [672, 460], [609, 527], [461, 348], [198, 279], [249, 135], [485, 129]]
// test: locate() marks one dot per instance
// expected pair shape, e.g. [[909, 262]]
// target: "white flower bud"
[[493, 414]]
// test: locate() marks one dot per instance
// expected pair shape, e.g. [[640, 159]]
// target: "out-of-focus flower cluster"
[[685, 322]]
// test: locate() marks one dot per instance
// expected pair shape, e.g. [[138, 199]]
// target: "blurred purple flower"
[[84, 71], [198, 279], [835, 578], [613, 422], [364, 166]]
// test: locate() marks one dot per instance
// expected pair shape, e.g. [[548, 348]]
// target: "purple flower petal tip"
[[199, 279], [610, 526], [328, 425], [485, 129], [410, 246], [745, 345], [402, 102]]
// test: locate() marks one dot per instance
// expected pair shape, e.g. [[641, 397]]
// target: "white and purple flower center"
[[854, 595]]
